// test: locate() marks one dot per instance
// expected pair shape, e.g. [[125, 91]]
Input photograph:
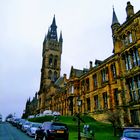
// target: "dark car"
[[131, 133], [52, 131]]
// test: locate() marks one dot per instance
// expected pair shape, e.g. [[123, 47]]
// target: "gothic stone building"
[[112, 84]]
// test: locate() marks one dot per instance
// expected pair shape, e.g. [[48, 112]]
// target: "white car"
[[48, 113], [25, 126], [56, 113], [32, 129]]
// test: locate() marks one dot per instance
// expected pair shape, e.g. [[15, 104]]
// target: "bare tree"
[[114, 119]]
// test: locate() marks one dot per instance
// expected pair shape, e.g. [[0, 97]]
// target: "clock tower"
[[51, 61]]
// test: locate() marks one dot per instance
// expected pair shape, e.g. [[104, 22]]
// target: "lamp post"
[[79, 104]]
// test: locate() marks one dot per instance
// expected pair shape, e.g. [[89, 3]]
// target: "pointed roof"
[[114, 18], [53, 22], [52, 31], [60, 38]]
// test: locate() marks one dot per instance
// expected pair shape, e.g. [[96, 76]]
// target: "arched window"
[[55, 61], [49, 74], [50, 59], [55, 76]]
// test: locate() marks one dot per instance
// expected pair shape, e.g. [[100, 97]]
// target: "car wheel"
[[36, 137], [44, 138]]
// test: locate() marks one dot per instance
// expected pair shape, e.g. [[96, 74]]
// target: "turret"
[[60, 38], [115, 24]]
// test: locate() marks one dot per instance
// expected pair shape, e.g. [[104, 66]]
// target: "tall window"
[[87, 84], [83, 85], [137, 80], [50, 59], [105, 103], [95, 81], [128, 63], [136, 58], [88, 104], [113, 70], [116, 98], [55, 76], [50, 75], [130, 37], [96, 102], [132, 89], [104, 73], [55, 61], [135, 116]]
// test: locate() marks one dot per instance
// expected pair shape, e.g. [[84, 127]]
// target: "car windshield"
[[27, 123], [132, 134], [58, 126], [36, 125]]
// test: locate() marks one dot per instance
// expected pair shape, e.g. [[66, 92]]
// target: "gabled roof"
[[76, 72], [98, 62]]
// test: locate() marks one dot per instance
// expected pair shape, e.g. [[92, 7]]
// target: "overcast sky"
[[87, 36]]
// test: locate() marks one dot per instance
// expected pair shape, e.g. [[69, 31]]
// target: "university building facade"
[[110, 85]]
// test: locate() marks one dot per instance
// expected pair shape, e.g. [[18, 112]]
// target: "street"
[[9, 132]]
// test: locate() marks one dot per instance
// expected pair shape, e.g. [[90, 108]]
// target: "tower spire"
[[53, 22], [52, 31], [60, 38], [114, 18], [115, 23]]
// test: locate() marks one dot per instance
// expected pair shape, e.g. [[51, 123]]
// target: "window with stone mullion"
[[126, 63], [105, 100], [138, 85], [137, 57]]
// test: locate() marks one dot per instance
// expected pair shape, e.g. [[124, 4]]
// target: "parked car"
[[56, 113], [52, 131], [0, 118], [15, 121], [48, 113], [31, 116], [20, 123], [39, 115], [131, 133], [32, 129], [25, 126]]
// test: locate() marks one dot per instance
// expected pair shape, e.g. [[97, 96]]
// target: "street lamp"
[[79, 104]]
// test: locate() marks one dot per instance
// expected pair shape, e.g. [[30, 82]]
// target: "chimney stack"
[[90, 64], [129, 10]]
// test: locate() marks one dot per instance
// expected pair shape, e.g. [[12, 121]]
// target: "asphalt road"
[[9, 132]]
